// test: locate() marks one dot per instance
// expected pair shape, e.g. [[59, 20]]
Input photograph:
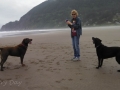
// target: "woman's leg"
[[77, 49], [73, 43]]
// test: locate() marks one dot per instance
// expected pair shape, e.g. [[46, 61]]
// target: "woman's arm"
[[69, 24]]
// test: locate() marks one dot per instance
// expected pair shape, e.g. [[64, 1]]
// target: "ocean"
[[41, 31], [26, 32]]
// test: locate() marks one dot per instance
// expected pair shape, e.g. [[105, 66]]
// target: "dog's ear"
[[100, 40], [25, 40]]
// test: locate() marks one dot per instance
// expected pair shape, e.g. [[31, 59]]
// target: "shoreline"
[[35, 32]]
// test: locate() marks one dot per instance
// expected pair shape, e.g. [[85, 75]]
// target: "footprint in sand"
[[26, 69], [17, 67], [18, 76], [64, 88], [70, 79], [33, 62], [41, 61], [38, 69], [81, 79], [58, 63], [8, 63], [34, 88], [63, 79], [58, 81]]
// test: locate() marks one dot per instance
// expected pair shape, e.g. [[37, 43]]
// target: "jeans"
[[75, 43]]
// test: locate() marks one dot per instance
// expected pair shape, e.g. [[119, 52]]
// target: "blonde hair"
[[74, 12]]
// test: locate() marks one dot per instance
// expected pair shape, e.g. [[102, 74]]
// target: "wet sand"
[[49, 66]]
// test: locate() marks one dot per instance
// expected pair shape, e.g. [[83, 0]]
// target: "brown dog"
[[18, 51]]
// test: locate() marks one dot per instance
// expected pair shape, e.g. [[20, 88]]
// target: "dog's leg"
[[118, 60], [2, 62], [99, 60], [21, 58], [2, 65]]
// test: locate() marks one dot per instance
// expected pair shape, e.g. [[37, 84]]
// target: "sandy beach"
[[49, 66]]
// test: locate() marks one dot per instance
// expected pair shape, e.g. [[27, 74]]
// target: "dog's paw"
[[2, 70], [118, 70], [97, 67], [23, 65]]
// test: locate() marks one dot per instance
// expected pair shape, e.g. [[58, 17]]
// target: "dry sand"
[[49, 66]]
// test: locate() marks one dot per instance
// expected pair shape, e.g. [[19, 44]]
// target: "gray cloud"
[[11, 10]]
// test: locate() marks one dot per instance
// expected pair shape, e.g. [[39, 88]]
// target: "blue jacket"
[[76, 25]]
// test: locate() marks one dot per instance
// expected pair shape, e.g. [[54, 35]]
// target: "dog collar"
[[23, 45], [97, 46]]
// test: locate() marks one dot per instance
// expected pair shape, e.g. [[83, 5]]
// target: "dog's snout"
[[30, 39]]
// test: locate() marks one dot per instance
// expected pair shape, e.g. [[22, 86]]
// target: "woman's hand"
[[72, 29], [69, 23]]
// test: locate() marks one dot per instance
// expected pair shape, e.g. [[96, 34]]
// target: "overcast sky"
[[11, 10]]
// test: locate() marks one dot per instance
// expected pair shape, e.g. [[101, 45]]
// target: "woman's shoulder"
[[78, 18]]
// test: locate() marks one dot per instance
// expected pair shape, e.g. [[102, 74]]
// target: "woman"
[[76, 31]]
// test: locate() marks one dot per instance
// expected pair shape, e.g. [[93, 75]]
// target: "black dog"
[[104, 52], [18, 51]]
